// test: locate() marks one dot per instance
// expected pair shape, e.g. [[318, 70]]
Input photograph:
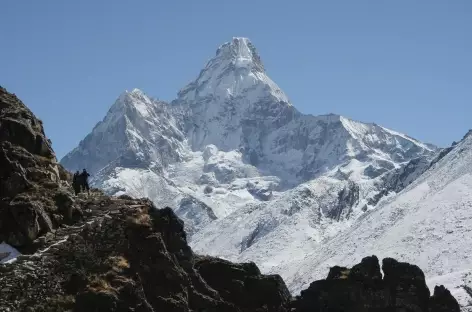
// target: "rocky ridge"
[[34, 193], [122, 254], [132, 256]]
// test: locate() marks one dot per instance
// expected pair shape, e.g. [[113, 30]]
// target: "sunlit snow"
[[256, 180]]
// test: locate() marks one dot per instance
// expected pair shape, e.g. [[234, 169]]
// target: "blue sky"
[[402, 64]]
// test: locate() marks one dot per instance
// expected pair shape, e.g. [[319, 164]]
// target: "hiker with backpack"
[[84, 180], [76, 183]]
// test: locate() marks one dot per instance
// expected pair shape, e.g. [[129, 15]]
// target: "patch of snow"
[[8, 254]]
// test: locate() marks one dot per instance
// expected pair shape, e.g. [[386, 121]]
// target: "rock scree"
[[101, 253]]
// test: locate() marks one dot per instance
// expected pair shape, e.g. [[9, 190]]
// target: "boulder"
[[406, 284], [243, 284], [367, 270]]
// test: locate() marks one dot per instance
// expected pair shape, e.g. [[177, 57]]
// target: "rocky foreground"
[[100, 253]]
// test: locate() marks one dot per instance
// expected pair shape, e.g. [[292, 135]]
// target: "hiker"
[[76, 182], [84, 179]]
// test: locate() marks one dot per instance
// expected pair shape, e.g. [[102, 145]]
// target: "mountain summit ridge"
[[242, 53], [236, 107]]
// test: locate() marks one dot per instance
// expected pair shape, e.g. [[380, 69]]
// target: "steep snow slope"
[[429, 222], [296, 219], [233, 98], [137, 131], [234, 105]]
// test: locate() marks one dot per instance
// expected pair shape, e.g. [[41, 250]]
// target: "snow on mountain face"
[[137, 132], [233, 103], [430, 221], [253, 178], [310, 146]]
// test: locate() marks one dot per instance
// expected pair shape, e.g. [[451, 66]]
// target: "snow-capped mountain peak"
[[240, 53], [133, 92], [235, 106], [137, 131], [231, 94], [236, 70], [135, 101]]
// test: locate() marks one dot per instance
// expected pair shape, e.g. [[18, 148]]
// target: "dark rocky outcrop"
[[31, 179], [362, 288], [133, 257], [263, 193], [406, 284], [101, 253], [442, 300], [400, 178], [235, 281], [347, 198]]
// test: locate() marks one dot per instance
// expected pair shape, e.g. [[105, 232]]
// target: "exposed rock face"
[[243, 281], [362, 288], [196, 212], [134, 257], [442, 300], [347, 198], [31, 178], [21, 128]]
